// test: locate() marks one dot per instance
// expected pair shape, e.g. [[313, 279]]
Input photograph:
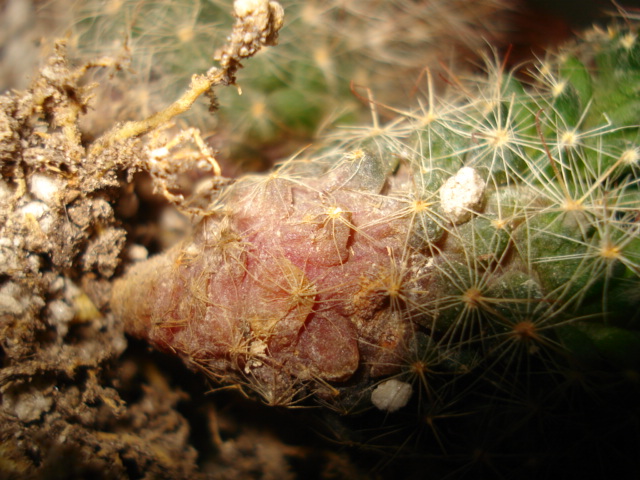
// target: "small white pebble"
[[137, 253], [45, 188], [40, 212], [391, 395], [34, 262], [35, 209], [461, 194]]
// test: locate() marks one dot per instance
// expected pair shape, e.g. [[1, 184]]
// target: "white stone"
[[34, 261], [461, 194], [45, 188], [40, 212], [391, 395], [137, 253], [34, 209]]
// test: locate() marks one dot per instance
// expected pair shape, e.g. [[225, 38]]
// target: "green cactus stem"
[[499, 217], [477, 257]]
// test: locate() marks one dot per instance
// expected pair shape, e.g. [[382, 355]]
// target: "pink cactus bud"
[[300, 282]]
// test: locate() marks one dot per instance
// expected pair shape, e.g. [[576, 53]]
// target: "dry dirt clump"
[[60, 243]]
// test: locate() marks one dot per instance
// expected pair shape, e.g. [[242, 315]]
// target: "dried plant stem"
[[199, 85], [257, 25]]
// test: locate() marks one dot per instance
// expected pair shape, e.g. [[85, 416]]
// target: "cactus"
[[291, 92], [477, 257], [505, 216], [463, 277]]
